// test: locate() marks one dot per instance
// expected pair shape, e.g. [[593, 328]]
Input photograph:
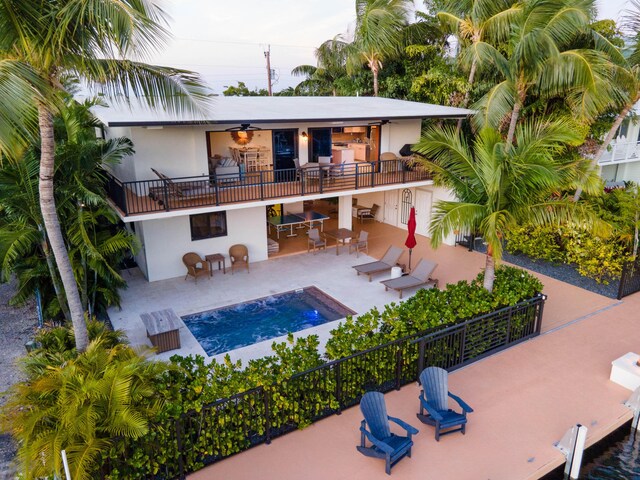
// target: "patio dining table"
[[340, 235]]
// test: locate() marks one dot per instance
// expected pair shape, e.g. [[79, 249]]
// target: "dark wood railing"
[[159, 195], [256, 416]]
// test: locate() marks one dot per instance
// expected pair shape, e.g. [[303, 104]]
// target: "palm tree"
[[331, 59], [44, 41], [378, 34], [540, 55], [627, 86], [478, 25], [498, 186]]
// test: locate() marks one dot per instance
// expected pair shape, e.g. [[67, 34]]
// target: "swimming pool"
[[235, 326]]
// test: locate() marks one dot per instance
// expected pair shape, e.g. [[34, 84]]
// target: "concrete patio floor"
[[525, 397]]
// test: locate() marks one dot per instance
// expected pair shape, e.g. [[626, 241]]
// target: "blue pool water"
[[235, 326]]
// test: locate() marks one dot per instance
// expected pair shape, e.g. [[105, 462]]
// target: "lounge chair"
[[433, 399], [180, 190], [315, 241], [239, 256], [368, 214], [196, 266], [385, 263], [420, 275], [385, 444]]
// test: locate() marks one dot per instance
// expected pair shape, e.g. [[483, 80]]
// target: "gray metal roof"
[[229, 110]]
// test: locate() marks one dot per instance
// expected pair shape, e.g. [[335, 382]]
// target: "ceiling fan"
[[243, 127]]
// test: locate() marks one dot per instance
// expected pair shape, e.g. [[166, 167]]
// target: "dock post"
[[572, 446]]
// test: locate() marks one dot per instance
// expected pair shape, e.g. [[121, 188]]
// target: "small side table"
[[163, 329], [216, 257]]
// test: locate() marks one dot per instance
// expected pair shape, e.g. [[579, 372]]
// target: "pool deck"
[[525, 398]]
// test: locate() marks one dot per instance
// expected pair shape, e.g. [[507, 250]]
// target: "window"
[[208, 225]]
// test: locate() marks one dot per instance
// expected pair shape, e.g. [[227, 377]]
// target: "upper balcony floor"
[[165, 194]]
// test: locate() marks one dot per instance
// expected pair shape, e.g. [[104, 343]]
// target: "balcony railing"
[[621, 153], [166, 194]]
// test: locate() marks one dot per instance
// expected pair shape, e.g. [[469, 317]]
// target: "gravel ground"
[[563, 272], [17, 326]]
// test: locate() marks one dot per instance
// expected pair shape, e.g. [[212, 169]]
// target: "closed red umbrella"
[[411, 237]]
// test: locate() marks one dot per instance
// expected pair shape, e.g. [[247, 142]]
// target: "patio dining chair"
[[361, 244], [376, 429], [315, 241]]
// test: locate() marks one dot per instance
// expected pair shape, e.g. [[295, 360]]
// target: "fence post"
[[356, 175], [267, 416], [404, 172], [300, 171], [373, 174], [339, 386], [508, 336], [539, 313], [261, 186], [421, 356], [165, 192], [398, 367], [179, 444], [623, 278]]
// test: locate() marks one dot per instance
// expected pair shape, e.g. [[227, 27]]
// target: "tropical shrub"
[[594, 257], [83, 403]]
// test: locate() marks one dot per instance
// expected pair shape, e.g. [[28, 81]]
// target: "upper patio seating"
[[368, 214], [196, 266], [420, 275], [239, 256], [385, 444], [185, 190], [361, 244], [433, 399], [315, 241], [387, 262]]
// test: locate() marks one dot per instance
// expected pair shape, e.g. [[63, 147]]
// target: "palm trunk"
[[55, 281], [374, 71], [52, 227], [489, 270], [465, 102], [607, 140], [514, 120]]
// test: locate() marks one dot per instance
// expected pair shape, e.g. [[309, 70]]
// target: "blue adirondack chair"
[[433, 399], [385, 444]]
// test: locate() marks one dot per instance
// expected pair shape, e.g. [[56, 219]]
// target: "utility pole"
[[267, 55]]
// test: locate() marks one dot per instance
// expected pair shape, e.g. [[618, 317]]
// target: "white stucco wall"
[[396, 134], [166, 240]]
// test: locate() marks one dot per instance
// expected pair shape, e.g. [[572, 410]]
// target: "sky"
[[225, 41]]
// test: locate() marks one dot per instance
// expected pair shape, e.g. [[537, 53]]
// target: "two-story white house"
[[621, 162], [204, 183]]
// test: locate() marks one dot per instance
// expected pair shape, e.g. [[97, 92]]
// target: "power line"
[[242, 43]]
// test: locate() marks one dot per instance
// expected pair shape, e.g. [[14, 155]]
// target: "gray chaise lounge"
[[385, 263], [421, 275]]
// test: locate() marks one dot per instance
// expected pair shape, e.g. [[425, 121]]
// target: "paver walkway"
[[525, 398]]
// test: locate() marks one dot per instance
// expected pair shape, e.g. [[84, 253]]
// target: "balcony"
[[621, 153], [168, 194]]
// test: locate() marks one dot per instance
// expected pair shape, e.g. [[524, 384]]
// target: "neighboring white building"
[[622, 160], [204, 194]]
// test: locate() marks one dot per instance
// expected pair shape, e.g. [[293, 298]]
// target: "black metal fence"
[[630, 278], [237, 423], [164, 194]]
